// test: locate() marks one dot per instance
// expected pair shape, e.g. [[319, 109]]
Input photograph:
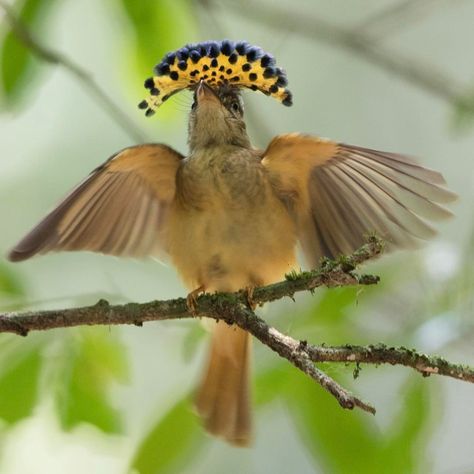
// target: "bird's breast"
[[227, 229]]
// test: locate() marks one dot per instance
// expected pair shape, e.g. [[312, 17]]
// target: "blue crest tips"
[[218, 63]]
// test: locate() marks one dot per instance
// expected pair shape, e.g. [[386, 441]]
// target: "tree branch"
[[232, 308], [53, 57], [306, 24]]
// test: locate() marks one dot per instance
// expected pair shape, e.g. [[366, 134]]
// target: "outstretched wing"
[[338, 193], [119, 209]]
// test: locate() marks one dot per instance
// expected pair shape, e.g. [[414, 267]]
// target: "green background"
[[115, 400]]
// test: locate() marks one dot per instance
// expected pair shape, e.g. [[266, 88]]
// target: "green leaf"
[[18, 67], [336, 304], [192, 341], [406, 443], [345, 441], [327, 430], [19, 384], [172, 442], [93, 358], [271, 381], [463, 116], [10, 285], [158, 27]]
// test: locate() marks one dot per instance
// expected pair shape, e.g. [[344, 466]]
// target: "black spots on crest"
[[162, 69], [269, 72], [282, 81], [233, 58], [195, 56], [254, 53], [267, 60], [143, 104], [227, 47], [250, 67], [183, 54], [149, 83], [169, 58], [273, 88], [149, 112], [241, 47], [214, 50], [288, 100]]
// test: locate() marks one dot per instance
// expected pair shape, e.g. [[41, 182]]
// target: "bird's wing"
[[119, 209], [338, 193]]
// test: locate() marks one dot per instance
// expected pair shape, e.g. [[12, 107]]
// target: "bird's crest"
[[238, 64]]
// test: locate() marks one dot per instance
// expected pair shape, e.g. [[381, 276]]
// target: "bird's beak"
[[206, 95]]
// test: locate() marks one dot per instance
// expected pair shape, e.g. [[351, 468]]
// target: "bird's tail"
[[223, 398]]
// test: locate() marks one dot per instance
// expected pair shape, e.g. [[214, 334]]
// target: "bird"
[[231, 216]]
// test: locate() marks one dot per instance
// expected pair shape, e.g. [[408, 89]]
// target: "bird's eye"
[[194, 105], [235, 107]]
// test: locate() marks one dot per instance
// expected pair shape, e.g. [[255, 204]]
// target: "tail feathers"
[[223, 399]]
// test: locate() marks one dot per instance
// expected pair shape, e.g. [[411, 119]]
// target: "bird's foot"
[[191, 300], [249, 297]]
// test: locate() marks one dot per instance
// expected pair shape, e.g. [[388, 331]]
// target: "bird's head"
[[217, 117], [216, 71]]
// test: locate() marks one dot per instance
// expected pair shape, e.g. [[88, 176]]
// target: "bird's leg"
[[191, 300], [249, 297]]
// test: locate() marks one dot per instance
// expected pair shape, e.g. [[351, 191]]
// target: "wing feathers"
[[120, 209], [417, 195], [339, 193]]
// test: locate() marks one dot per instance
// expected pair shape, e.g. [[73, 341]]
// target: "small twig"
[[232, 308], [396, 16], [330, 274], [425, 76], [382, 354], [53, 57]]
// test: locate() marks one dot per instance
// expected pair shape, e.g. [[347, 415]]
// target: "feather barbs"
[[217, 63]]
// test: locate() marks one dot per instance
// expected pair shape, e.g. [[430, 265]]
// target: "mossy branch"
[[232, 308]]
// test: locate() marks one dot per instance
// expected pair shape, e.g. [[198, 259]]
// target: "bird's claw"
[[191, 300], [249, 297]]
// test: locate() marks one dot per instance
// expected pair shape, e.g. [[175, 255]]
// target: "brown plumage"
[[230, 217]]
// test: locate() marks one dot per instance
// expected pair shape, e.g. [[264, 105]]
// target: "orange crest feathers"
[[217, 63]]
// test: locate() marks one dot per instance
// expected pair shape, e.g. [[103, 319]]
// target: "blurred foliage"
[[20, 365], [12, 292], [165, 24], [90, 360], [172, 443], [463, 117], [85, 364], [18, 67], [345, 442]]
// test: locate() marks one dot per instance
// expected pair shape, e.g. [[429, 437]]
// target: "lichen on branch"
[[232, 308]]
